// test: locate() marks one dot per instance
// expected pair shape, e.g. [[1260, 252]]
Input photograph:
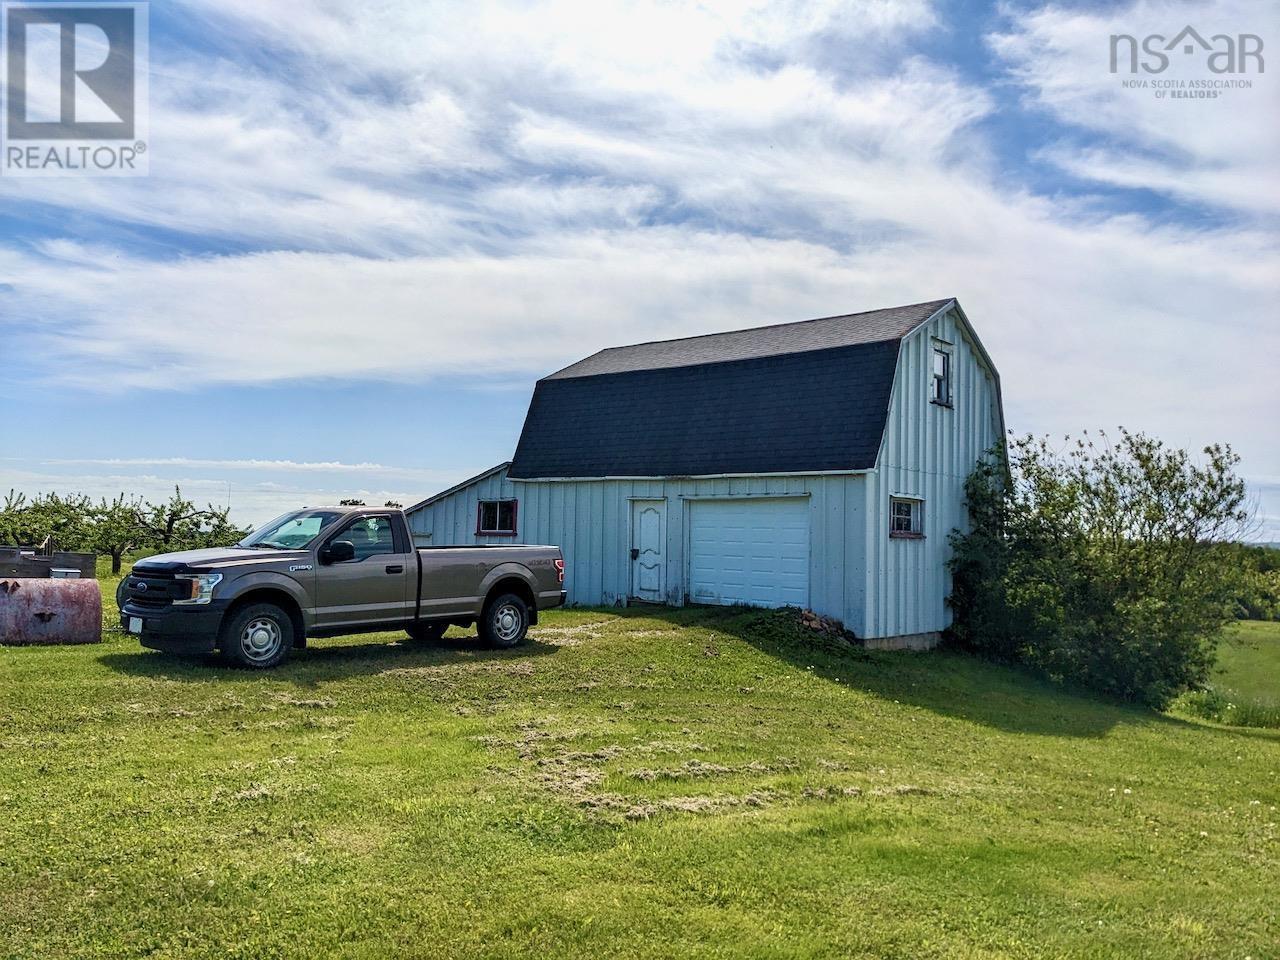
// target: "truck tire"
[[258, 636], [428, 632], [505, 621]]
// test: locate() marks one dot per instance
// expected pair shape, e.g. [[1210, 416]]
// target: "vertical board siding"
[[928, 452], [590, 520], [878, 586]]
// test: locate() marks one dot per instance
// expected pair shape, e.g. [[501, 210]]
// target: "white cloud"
[[445, 188], [252, 501], [288, 466], [1084, 336]]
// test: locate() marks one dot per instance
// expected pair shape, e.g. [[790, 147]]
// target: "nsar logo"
[[1222, 52]]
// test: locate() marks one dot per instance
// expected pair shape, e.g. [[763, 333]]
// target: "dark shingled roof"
[[824, 333], [794, 398]]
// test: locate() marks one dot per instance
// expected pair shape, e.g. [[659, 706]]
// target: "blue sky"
[[366, 232]]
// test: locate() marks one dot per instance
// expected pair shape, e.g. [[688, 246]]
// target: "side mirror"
[[338, 552]]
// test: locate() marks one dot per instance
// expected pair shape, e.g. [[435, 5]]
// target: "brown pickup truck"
[[329, 571]]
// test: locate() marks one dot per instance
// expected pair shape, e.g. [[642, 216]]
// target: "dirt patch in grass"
[[550, 759], [315, 704], [568, 636], [697, 769]]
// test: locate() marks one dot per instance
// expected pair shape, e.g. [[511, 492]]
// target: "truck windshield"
[[293, 531]]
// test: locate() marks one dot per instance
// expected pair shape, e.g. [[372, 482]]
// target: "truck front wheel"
[[505, 621], [257, 636]]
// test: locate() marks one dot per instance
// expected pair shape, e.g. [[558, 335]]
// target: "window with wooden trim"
[[906, 517], [940, 390], [496, 518]]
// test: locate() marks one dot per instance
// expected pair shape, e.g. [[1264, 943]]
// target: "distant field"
[[642, 783], [1249, 661], [1244, 689]]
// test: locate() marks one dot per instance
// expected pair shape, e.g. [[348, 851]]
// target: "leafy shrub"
[[1104, 565], [1259, 595]]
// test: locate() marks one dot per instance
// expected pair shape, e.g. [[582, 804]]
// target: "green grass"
[[640, 783], [1249, 660], [1245, 686]]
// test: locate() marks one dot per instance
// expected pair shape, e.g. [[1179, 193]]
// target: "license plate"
[[135, 624]]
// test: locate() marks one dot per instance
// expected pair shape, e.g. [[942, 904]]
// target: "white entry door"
[[648, 549], [750, 551]]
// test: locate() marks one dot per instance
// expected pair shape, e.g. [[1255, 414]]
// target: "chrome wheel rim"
[[507, 621], [261, 639]]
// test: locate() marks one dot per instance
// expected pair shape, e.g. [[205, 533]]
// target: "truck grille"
[[154, 589]]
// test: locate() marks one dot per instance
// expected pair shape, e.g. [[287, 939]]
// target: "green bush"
[[1259, 595], [1101, 565]]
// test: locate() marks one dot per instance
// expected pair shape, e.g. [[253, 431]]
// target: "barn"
[[818, 464]]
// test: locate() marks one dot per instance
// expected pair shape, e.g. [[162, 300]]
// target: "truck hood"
[[216, 558]]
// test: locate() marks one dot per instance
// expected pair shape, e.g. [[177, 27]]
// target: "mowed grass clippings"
[[639, 783]]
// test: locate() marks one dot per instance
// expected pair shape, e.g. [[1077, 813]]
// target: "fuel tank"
[[36, 610]]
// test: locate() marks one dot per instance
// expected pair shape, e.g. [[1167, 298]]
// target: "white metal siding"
[[749, 551], [927, 452], [591, 522]]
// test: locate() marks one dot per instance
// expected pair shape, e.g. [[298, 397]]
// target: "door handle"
[[635, 553], [395, 568]]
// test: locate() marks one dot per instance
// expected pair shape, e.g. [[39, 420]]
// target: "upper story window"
[[496, 518], [940, 389], [906, 517]]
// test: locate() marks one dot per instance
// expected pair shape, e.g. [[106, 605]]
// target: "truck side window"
[[371, 537]]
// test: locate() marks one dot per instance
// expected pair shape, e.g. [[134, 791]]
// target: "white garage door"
[[749, 551]]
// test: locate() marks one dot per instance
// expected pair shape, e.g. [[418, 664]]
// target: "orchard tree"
[[13, 519], [115, 529], [179, 525], [166, 524], [49, 520]]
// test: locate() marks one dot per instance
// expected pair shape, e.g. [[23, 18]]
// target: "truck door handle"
[[395, 568], [635, 553]]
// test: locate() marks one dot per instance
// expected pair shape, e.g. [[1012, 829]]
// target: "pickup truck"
[[329, 571]]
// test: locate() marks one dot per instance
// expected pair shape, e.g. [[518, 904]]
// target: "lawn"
[[1249, 662], [639, 783]]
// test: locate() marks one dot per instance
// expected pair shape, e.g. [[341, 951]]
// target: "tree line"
[[115, 527]]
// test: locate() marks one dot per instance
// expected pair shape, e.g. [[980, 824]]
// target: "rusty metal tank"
[[50, 610]]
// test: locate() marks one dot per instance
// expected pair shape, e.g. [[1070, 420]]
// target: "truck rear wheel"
[[505, 621], [257, 636], [426, 632]]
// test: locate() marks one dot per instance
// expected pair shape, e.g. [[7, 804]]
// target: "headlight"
[[202, 585]]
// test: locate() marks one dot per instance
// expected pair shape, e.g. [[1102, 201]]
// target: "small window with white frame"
[[940, 385], [906, 518]]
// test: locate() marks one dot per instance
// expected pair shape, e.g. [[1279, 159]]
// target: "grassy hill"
[[633, 783]]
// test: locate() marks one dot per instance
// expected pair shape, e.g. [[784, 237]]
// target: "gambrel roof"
[[807, 397], [825, 333]]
